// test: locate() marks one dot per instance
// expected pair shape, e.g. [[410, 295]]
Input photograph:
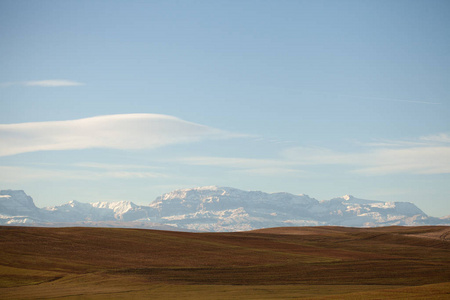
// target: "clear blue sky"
[[323, 98]]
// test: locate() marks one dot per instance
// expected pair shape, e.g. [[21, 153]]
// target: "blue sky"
[[126, 100]]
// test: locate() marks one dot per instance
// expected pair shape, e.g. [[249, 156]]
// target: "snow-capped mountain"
[[17, 207], [75, 211], [228, 209], [216, 209]]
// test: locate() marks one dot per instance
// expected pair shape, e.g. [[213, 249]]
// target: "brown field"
[[277, 263]]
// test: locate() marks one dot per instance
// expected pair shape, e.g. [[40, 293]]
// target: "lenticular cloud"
[[129, 131]]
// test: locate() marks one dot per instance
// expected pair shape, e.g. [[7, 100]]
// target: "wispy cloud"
[[21, 174], [6, 84], [438, 138], [44, 83], [129, 131], [104, 166], [53, 83], [388, 99], [424, 155], [400, 100], [248, 166], [423, 141], [317, 156], [231, 162], [417, 160], [274, 171]]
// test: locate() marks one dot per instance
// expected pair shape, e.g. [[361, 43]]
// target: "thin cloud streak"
[[247, 166], [401, 100], [417, 160], [376, 98], [398, 158], [6, 84], [380, 161], [22, 174], [438, 138], [52, 83], [231, 162], [427, 141], [94, 165], [272, 171], [44, 83], [128, 131]]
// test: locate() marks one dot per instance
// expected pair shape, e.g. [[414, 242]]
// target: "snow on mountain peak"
[[200, 188], [119, 207], [207, 188], [193, 194], [16, 200], [216, 208]]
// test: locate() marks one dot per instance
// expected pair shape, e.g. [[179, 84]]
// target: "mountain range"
[[215, 208]]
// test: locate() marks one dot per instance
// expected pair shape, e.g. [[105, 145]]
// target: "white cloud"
[[129, 131], [43, 83]]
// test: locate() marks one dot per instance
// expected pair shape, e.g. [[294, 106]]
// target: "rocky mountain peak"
[[214, 208]]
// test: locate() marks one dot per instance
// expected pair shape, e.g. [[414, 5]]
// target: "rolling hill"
[[275, 263]]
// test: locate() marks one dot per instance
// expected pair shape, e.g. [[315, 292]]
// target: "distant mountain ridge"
[[215, 208]]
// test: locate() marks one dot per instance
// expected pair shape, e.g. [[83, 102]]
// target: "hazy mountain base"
[[279, 263], [215, 209]]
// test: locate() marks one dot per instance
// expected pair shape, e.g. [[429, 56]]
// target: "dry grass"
[[277, 263]]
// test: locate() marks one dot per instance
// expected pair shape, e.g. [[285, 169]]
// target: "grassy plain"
[[276, 263]]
